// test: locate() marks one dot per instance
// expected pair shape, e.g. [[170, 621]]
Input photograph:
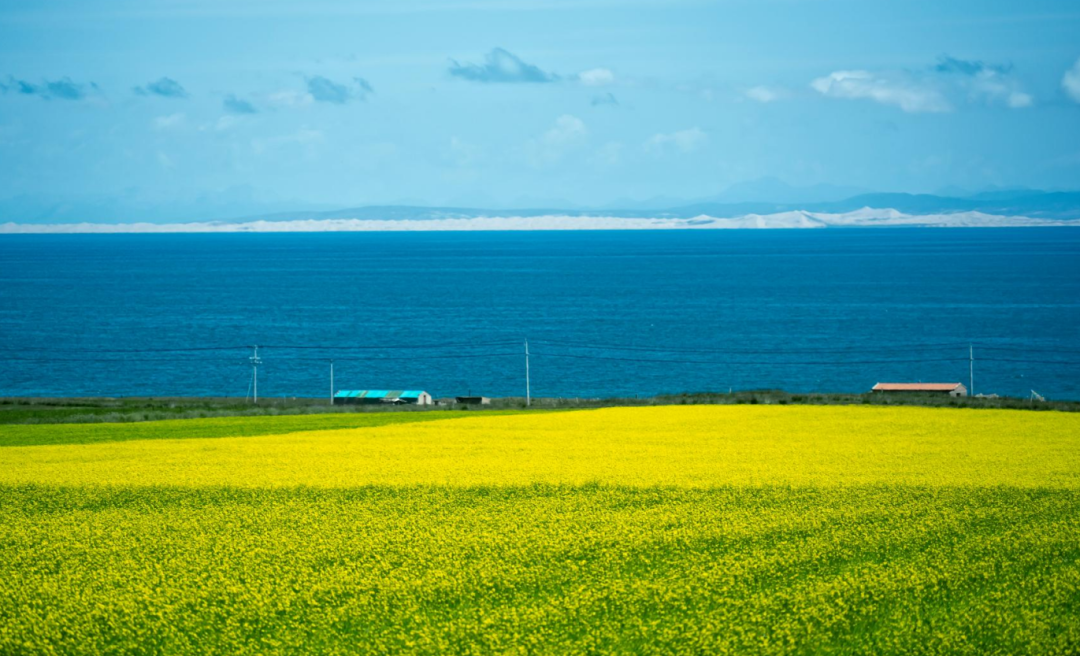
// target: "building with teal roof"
[[376, 397]]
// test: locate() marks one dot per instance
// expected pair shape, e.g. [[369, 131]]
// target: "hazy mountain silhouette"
[[766, 196]]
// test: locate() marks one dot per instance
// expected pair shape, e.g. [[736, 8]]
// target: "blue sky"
[[493, 102]]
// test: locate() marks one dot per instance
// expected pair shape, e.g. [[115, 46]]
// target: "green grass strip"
[[172, 429]]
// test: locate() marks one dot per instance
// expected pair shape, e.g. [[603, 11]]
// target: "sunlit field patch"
[[649, 530], [698, 446]]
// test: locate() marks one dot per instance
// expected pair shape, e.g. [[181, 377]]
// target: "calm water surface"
[[829, 310]]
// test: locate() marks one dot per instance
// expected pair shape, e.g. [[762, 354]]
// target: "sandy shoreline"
[[866, 217]]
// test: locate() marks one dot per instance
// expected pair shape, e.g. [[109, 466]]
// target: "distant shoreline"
[[45, 410], [864, 218]]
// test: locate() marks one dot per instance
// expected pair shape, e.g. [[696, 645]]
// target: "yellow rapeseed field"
[[690, 446], [726, 530]]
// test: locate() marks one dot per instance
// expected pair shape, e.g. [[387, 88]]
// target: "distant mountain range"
[[759, 198], [1037, 204]]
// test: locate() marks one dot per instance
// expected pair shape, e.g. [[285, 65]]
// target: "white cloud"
[[908, 94], [765, 94], [949, 83], [994, 86], [169, 122], [684, 141], [596, 77], [568, 133], [501, 66], [290, 99], [1071, 81]]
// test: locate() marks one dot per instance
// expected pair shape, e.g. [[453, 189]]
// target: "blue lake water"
[[828, 310]]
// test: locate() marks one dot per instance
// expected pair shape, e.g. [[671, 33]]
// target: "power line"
[[255, 362], [389, 348], [286, 359], [849, 349], [278, 359], [287, 346], [460, 356], [1071, 362], [744, 362], [675, 349], [166, 350], [468, 356], [127, 360], [1025, 349], [561, 343]]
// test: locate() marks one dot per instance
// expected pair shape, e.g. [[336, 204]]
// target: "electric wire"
[[676, 349], [575, 345], [164, 350], [744, 362], [283, 359], [560, 344], [389, 348], [1025, 349], [462, 356], [810, 350], [248, 347], [1070, 362]]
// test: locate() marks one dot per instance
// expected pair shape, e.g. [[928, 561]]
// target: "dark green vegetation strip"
[[133, 409], [39, 434], [107, 410], [864, 570]]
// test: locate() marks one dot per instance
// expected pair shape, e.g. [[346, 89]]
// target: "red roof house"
[[952, 389]]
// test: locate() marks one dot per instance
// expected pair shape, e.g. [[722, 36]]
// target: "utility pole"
[[255, 362], [528, 394], [331, 382], [971, 370]]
